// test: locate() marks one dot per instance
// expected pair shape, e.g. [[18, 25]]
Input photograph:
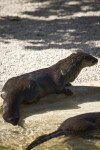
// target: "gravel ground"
[[48, 30]]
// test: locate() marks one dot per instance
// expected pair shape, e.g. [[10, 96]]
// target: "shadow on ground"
[[82, 94], [59, 27]]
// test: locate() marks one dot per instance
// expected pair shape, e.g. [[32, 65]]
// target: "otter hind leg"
[[67, 92], [37, 100]]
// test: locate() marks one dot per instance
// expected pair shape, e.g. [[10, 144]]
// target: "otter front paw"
[[68, 84], [68, 92]]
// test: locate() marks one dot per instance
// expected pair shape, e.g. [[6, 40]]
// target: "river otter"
[[74, 125], [30, 87]]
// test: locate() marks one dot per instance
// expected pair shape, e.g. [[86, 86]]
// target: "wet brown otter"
[[74, 125], [30, 87]]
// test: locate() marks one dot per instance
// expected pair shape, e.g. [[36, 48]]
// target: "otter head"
[[10, 107], [87, 59]]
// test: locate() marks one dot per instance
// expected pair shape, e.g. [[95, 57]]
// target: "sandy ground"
[[50, 30]]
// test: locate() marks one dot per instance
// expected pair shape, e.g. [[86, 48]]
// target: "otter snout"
[[95, 61], [89, 60]]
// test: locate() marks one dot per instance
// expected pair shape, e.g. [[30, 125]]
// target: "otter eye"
[[88, 58]]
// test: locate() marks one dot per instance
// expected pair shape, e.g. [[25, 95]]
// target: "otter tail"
[[45, 138]]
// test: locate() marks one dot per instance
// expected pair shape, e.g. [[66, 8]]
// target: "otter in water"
[[30, 87], [74, 125]]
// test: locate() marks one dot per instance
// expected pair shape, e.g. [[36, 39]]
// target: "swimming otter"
[[30, 87], [74, 125]]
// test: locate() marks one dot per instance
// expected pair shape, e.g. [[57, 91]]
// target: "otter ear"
[[3, 94]]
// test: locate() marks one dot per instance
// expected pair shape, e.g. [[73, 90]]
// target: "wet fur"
[[74, 125], [30, 87]]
